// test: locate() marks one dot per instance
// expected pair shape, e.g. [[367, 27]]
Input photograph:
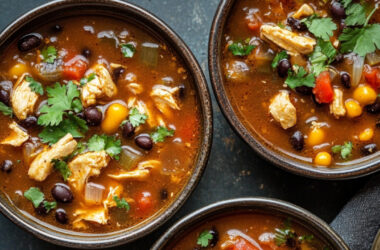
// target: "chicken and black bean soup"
[[100, 124], [250, 231], [305, 76]]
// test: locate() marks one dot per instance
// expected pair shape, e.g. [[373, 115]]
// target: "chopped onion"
[[129, 157], [94, 193], [333, 72], [30, 150], [50, 71], [373, 58], [357, 69], [149, 54], [109, 35], [237, 233]]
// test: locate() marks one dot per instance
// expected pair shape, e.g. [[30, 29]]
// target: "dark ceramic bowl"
[[261, 205], [376, 243], [138, 16], [352, 169]]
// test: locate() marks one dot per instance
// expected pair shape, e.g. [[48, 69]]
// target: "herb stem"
[[370, 14]]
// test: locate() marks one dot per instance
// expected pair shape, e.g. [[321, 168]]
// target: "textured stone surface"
[[234, 170]]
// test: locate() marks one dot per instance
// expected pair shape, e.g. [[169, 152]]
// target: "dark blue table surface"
[[234, 169]]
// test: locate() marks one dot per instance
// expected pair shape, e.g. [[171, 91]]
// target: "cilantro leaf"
[[108, 143], [62, 167], [344, 150], [35, 196], [240, 49], [121, 203], [323, 54], [87, 79], [307, 238], [279, 56], [160, 134], [34, 85], [204, 238], [320, 27], [49, 205], [136, 118], [61, 98], [356, 15], [128, 50], [283, 235], [345, 3], [49, 54], [6, 110], [300, 78]]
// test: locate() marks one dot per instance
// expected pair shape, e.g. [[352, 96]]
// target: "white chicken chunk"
[[287, 40], [283, 111], [113, 191], [102, 86], [42, 165], [141, 173], [98, 215], [337, 106], [17, 136], [145, 108], [304, 11], [164, 98], [135, 88], [84, 166], [23, 99]]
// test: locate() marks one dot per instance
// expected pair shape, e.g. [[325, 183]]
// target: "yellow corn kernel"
[[353, 108], [364, 94], [316, 136], [322, 159], [18, 70], [116, 113], [366, 135]]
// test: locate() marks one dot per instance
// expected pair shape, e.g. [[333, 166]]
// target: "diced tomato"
[[372, 76], [323, 90], [242, 244], [253, 22], [75, 68], [144, 202]]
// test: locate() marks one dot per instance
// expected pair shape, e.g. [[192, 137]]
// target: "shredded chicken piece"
[[17, 136], [86, 165], [23, 99], [163, 97], [42, 165], [141, 173], [287, 40], [135, 88], [113, 191], [337, 106], [144, 108], [102, 86], [283, 111], [304, 11], [98, 215]]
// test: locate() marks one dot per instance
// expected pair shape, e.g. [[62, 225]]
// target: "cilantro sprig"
[[136, 118], [344, 150], [87, 79], [320, 27], [241, 48], [279, 56], [161, 133], [6, 110], [34, 85], [104, 142], [323, 54], [63, 168], [35, 195], [49, 54], [300, 78], [204, 238], [128, 50], [287, 235], [121, 203]]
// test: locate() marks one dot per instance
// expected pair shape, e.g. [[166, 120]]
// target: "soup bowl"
[[346, 170], [136, 15], [251, 205]]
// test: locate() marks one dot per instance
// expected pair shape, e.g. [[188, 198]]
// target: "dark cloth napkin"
[[359, 220]]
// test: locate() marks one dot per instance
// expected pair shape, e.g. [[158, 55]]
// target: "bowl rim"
[[170, 37], [265, 151], [249, 203]]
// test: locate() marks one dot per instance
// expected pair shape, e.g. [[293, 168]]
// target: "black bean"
[[81, 115], [304, 90], [215, 236], [338, 58], [6, 85], [56, 28], [374, 108], [369, 149], [29, 42], [128, 130], [117, 73], [345, 79], [296, 24], [62, 193], [6, 166], [164, 194], [5, 97], [283, 67], [61, 216], [93, 116], [86, 52], [342, 25], [297, 140], [144, 142], [41, 209], [182, 90], [337, 9], [29, 122]]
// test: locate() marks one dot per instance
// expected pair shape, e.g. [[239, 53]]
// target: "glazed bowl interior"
[[346, 170], [251, 205], [132, 14]]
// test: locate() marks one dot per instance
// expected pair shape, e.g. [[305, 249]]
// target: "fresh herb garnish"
[[344, 150], [121, 203], [6, 110], [279, 56], [241, 49], [128, 50], [62, 167], [160, 134], [136, 118], [300, 78], [35, 196], [204, 238], [49, 54], [281, 236], [306, 238], [108, 143], [49, 205], [323, 54], [320, 27], [61, 98], [34, 85], [87, 79], [356, 14]]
